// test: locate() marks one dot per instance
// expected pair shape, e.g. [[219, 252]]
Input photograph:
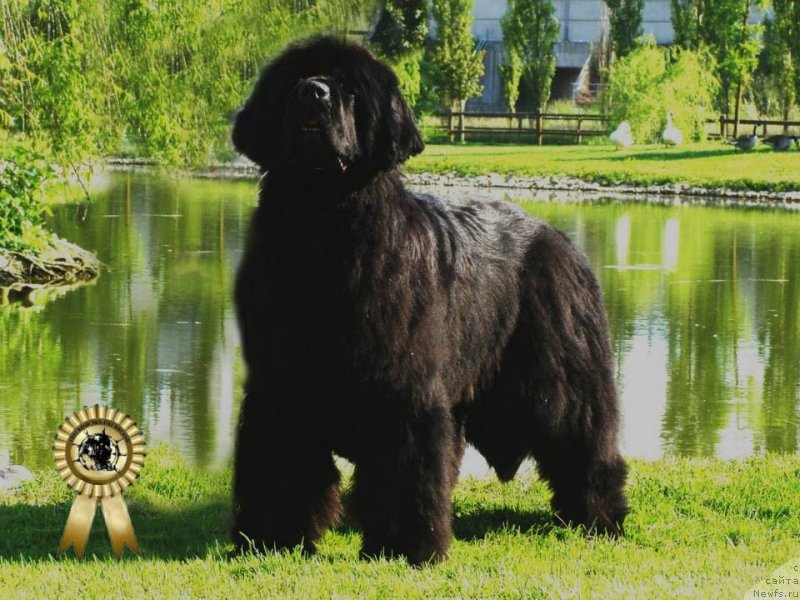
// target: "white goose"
[[621, 136], [671, 136]]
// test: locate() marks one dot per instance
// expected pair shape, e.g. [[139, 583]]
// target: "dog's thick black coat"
[[391, 328]]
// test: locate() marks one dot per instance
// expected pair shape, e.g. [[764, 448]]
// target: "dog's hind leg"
[[568, 390], [286, 487], [402, 488]]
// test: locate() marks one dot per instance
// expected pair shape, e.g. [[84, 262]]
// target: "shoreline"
[[60, 267], [542, 186]]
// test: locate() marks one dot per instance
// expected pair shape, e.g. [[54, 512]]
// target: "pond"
[[703, 305]]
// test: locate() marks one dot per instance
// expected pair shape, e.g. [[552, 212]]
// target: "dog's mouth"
[[313, 149], [312, 126]]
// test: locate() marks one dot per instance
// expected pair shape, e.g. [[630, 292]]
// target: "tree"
[[530, 31], [625, 23], [686, 17], [399, 39], [781, 56], [401, 28], [458, 62], [721, 28], [773, 87], [651, 81], [510, 74]]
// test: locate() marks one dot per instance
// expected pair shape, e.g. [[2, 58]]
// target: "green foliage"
[[23, 172], [687, 17], [530, 30], [50, 84], [152, 77], [652, 81], [510, 74], [401, 29], [409, 75], [459, 64], [777, 80], [791, 10], [399, 38], [720, 28], [625, 23], [774, 81]]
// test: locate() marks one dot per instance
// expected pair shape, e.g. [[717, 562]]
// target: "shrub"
[[651, 81], [23, 172], [409, 75]]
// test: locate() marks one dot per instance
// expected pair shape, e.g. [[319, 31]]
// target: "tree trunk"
[[461, 132], [740, 83]]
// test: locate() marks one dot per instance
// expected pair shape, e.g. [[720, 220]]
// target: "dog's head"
[[330, 107]]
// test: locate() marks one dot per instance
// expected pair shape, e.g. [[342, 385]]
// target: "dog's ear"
[[397, 137], [404, 139], [258, 125]]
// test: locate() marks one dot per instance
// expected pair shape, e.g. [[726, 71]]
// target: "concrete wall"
[[582, 23], [581, 20]]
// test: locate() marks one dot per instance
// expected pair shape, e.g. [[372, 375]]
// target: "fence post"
[[461, 133], [539, 127], [450, 134], [723, 133], [579, 137]]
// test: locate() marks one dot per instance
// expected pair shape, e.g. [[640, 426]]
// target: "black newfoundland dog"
[[391, 328]]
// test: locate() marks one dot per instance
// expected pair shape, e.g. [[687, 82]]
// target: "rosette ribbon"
[[99, 452]]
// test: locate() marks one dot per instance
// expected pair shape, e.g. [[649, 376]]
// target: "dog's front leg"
[[286, 486], [402, 491]]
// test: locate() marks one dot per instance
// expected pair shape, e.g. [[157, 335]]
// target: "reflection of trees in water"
[[704, 319], [779, 338], [155, 339], [145, 338], [29, 355], [719, 299]]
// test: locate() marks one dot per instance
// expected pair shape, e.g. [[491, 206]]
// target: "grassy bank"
[[699, 528], [709, 164]]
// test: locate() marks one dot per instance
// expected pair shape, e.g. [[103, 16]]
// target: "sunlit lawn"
[[698, 528], [712, 164]]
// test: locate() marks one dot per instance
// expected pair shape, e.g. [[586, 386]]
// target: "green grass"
[[698, 528], [708, 164]]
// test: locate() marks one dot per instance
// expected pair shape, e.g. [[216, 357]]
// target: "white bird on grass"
[[671, 136], [621, 136]]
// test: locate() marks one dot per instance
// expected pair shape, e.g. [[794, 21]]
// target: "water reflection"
[[702, 303], [155, 337]]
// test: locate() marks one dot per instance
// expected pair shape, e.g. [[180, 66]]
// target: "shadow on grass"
[[667, 155], [478, 525], [34, 532], [481, 523]]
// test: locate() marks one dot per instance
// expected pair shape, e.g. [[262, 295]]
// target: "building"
[[583, 23]]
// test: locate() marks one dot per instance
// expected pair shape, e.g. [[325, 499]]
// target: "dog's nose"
[[313, 89]]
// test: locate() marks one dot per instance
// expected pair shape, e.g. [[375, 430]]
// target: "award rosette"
[[99, 452]]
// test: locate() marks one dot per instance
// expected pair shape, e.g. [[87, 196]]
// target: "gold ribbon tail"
[[79, 524], [118, 523]]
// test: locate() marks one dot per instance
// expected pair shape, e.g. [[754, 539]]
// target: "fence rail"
[[571, 125], [525, 123], [763, 123]]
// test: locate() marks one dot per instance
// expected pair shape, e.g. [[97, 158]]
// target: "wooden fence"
[[539, 125], [462, 125], [746, 126]]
